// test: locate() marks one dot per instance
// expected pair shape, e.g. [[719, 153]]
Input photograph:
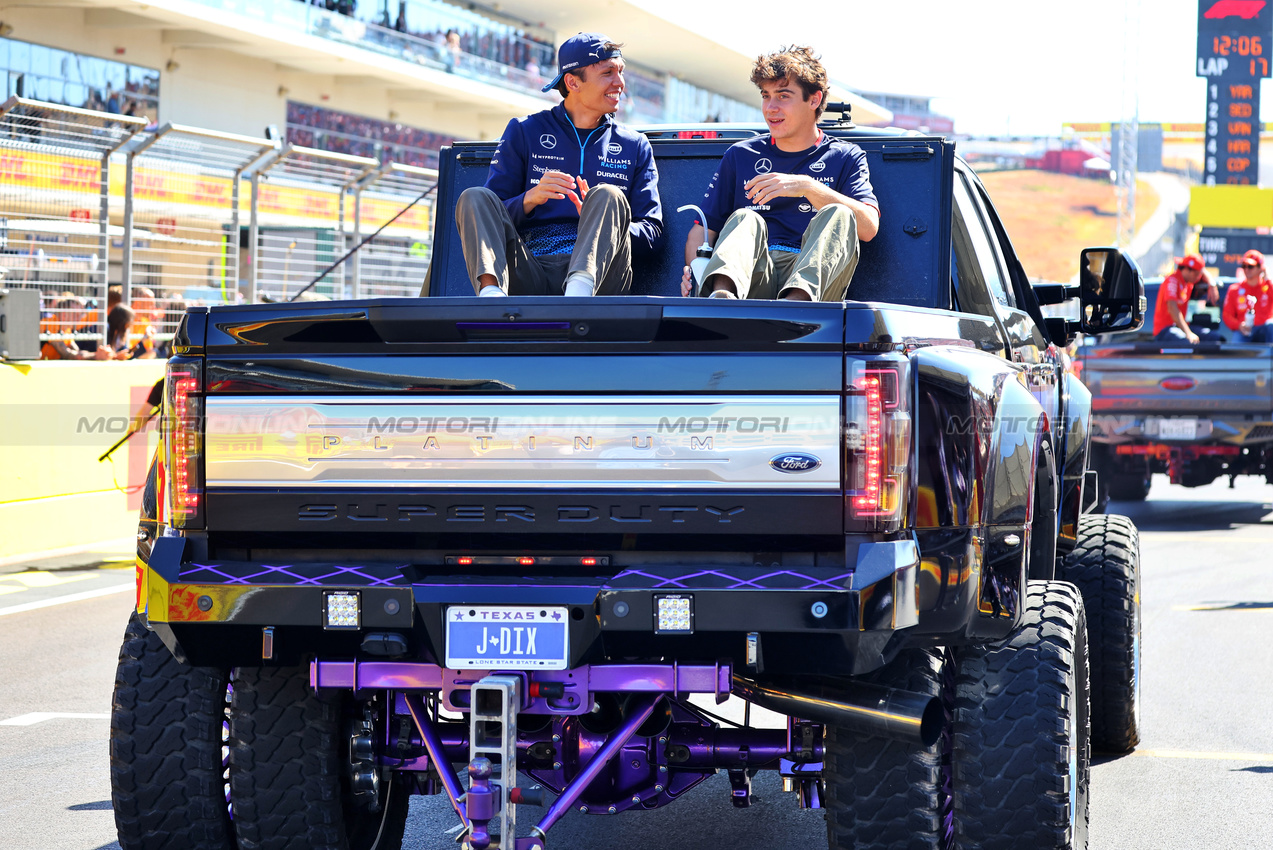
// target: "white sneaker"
[[723, 293], [491, 292]]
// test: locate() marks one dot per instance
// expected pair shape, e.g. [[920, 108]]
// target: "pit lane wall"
[[56, 419]]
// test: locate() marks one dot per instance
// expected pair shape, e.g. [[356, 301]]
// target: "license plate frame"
[[1178, 429], [507, 632]]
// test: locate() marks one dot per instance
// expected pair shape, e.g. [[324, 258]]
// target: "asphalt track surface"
[[1202, 777]]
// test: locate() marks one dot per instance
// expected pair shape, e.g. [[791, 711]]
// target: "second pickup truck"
[[1192, 412]]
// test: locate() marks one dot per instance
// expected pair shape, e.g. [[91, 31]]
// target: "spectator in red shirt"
[[1253, 295], [1174, 295]]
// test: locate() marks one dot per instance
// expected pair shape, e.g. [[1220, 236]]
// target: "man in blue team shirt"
[[786, 210], [570, 193]]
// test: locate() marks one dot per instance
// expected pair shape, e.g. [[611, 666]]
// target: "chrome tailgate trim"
[[656, 442]]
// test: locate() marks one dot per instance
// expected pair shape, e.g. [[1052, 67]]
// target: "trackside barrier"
[[55, 230], [90, 200], [299, 218], [395, 262]]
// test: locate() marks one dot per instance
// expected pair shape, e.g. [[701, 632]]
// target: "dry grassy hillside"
[[1051, 217]]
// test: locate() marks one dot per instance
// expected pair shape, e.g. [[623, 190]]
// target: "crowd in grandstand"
[[52, 75], [328, 129], [457, 33]]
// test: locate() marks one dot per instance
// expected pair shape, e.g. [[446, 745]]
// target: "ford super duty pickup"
[[516, 551]]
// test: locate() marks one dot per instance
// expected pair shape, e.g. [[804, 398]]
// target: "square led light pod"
[[340, 609], [673, 614]]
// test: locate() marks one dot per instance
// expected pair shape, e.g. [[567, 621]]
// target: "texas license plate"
[[507, 637], [1177, 429]]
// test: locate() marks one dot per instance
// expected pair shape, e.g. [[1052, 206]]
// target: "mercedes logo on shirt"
[[806, 208], [764, 166], [548, 140], [818, 166]]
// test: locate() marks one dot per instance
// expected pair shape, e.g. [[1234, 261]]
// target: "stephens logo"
[[818, 166], [548, 140], [763, 166], [1244, 9], [614, 149], [795, 463]]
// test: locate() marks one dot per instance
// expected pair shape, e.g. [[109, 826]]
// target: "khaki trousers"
[[492, 245], [823, 268]]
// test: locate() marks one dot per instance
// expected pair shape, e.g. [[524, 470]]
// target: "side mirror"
[[1111, 292]]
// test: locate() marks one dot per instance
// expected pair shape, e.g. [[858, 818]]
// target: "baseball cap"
[[1253, 258], [1194, 262], [580, 51]]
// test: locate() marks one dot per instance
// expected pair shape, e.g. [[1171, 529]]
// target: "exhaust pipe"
[[871, 709]]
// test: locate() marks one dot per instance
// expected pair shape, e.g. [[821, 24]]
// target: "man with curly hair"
[[787, 209]]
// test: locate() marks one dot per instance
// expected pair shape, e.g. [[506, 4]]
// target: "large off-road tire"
[[167, 782], [882, 793], [288, 748], [1020, 745], [1105, 567]]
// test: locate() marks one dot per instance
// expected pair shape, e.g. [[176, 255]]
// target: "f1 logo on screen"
[[1245, 9]]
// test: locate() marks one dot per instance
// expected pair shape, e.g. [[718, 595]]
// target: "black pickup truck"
[[540, 538]]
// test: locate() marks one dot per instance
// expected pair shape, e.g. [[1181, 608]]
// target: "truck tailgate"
[[539, 416], [1150, 377]]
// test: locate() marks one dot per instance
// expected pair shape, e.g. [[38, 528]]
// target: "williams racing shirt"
[[549, 141], [838, 164]]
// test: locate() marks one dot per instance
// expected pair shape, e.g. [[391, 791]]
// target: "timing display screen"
[[1235, 45]]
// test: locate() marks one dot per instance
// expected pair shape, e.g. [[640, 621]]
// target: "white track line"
[[73, 597], [41, 716], [1203, 756]]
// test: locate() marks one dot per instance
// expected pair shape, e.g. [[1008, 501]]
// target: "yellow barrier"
[[1231, 206], [58, 418]]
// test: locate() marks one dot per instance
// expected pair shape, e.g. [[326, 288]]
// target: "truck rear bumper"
[[822, 619], [1182, 429]]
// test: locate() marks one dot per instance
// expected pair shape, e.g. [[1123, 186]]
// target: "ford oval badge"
[[795, 463]]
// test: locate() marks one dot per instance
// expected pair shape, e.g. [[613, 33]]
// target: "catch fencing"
[[95, 206], [56, 170]]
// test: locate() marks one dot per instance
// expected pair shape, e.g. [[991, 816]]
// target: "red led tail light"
[[877, 440], [183, 442]]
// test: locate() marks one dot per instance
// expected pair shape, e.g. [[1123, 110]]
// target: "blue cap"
[[580, 51]]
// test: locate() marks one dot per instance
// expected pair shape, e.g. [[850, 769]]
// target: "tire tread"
[[1105, 567], [884, 794], [167, 783], [1011, 772]]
